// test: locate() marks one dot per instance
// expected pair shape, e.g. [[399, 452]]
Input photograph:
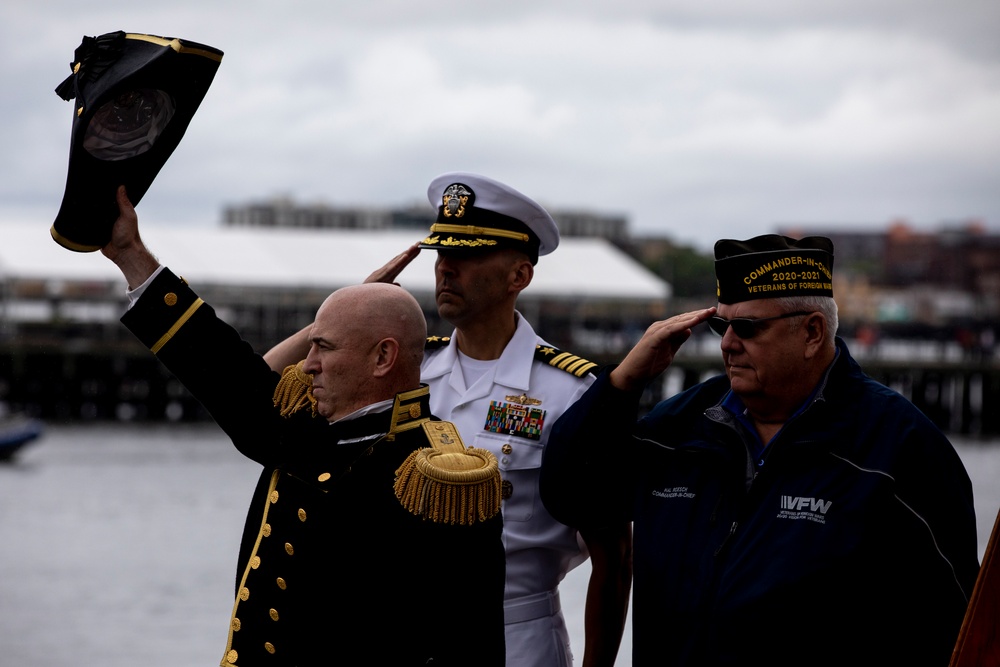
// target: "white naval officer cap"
[[476, 213]]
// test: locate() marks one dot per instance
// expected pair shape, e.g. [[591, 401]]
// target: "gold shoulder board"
[[435, 342], [564, 361]]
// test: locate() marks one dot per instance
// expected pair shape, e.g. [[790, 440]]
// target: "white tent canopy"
[[580, 269]]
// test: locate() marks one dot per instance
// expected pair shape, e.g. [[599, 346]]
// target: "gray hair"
[[821, 304]]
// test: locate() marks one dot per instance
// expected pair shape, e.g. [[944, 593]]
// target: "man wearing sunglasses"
[[792, 510]]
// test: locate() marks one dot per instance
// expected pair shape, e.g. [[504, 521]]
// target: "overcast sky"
[[698, 120]]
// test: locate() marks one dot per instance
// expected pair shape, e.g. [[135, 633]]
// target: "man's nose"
[[446, 266], [311, 364], [730, 341]]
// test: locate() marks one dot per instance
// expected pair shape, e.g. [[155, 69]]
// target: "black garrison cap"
[[772, 266]]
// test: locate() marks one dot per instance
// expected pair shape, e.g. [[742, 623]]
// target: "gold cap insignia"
[[456, 197]]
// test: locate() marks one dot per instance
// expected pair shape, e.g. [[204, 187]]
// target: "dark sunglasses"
[[745, 327]]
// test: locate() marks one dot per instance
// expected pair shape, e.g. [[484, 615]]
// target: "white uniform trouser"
[[535, 621]]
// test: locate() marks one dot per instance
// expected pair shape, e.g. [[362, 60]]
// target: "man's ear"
[[386, 353], [815, 334], [521, 274]]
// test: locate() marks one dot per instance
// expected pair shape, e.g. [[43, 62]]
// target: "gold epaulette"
[[564, 361], [294, 391], [449, 482]]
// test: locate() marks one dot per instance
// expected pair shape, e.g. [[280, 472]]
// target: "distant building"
[[855, 252], [283, 212], [904, 275], [963, 257], [614, 228]]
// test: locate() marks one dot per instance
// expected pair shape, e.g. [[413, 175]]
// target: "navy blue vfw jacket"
[[854, 543]]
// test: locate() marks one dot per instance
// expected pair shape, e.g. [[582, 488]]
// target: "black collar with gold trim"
[[410, 409]]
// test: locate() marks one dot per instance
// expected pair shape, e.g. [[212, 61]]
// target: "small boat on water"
[[15, 433]]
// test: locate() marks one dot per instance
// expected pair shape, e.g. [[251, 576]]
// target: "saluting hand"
[[656, 349], [395, 266]]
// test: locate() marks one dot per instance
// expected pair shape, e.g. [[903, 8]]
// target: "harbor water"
[[119, 545]]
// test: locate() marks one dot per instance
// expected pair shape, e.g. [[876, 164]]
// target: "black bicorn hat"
[[477, 214], [135, 96], [772, 266]]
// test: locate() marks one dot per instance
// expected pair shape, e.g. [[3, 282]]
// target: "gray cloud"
[[698, 122]]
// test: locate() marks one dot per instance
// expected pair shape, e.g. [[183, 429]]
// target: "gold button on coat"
[[274, 496], [289, 549], [324, 477], [266, 530], [281, 583], [506, 449], [232, 657], [244, 593], [170, 299], [269, 647], [302, 514], [236, 624], [273, 614], [255, 562]]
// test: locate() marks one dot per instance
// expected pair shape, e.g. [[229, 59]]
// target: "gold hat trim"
[[176, 44], [472, 230], [67, 243], [451, 241]]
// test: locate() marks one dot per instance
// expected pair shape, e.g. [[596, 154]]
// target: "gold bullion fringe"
[[294, 391], [465, 497]]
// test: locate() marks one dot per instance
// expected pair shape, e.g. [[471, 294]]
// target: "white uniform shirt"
[[510, 411]]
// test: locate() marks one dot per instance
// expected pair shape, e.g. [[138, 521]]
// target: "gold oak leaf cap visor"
[[477, 214], [135, 96], [773, 266]]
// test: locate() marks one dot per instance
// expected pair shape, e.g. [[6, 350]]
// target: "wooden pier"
[[119, 380]]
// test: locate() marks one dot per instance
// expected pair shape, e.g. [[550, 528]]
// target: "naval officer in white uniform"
[[504, 387]]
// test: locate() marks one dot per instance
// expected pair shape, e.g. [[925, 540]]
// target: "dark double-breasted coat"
[[332, 569]]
